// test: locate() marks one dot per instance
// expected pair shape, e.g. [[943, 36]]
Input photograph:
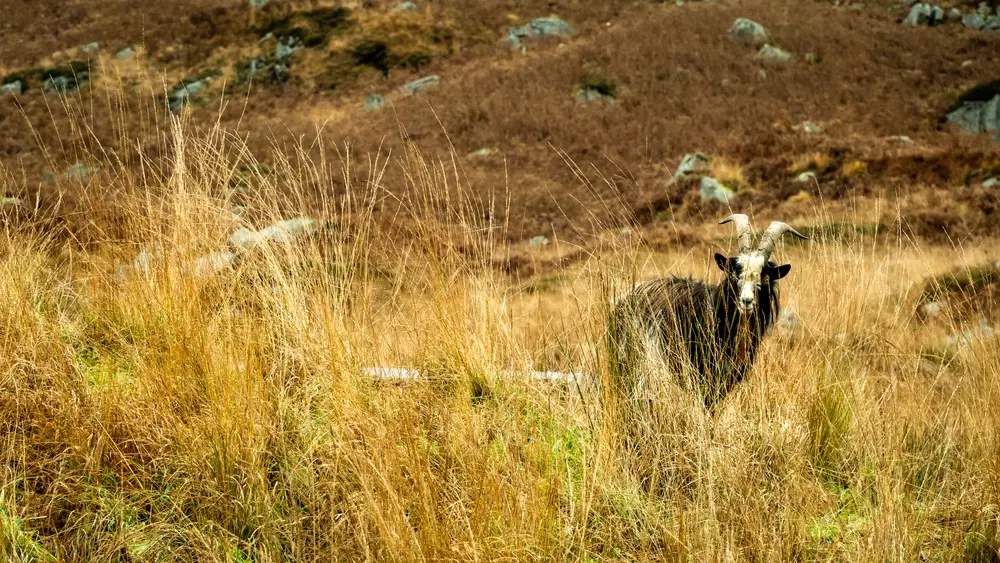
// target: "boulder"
[[143, 262], [540, 28], [286, 46], [421, 85], [258, 4], [787, 323], [91, 48], [808, 127], [991, 183], [212, 264], [80, 172], [711, 190], [280, 232], [930, 310], [748, 31], [65, 79], [902, 139], [978, 110], [693, 163], [805, 177], [374, 102], [539, 241], [483, 152], [924, 14], [182, 93], [404, 7], [14, 87], [125, 54], [769, 54], [592, 95]]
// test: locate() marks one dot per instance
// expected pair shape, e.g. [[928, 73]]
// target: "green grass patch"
[[602, 86], [967, 281]]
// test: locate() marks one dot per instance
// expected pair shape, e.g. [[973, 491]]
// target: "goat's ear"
[[722, 262], [780, 271]]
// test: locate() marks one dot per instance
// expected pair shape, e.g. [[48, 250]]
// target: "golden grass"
[[162, 416]]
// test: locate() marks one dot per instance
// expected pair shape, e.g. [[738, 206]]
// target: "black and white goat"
[[706, 334]]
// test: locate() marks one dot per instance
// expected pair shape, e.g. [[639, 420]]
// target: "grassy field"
[[165, 416], [157, 405]]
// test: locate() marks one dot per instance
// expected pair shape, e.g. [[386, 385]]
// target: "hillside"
[[681, 85]]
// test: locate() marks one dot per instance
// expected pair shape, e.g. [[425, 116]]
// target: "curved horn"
[[744, 237], [771, 236]]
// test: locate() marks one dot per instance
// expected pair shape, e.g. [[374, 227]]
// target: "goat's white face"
[[749, 277], [749, 271]]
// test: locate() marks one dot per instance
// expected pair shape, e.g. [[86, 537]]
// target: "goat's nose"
[[746, 302]]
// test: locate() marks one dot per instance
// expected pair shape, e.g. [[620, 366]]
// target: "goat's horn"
[[744, 237], [772, 234]]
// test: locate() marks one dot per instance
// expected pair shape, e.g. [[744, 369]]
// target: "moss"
[[373, 53], [312, 28], [967, 281], [981, 93], [602, 86], [415, 60], [974, 175]]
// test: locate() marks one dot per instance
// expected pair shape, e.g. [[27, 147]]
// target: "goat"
[[708, 335]]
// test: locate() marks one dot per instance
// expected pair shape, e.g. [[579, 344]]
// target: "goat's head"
[[751, 270]]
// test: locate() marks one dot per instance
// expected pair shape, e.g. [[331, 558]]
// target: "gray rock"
[[374, 102], [540, 28], [539, 241], [977, 117], [143, 262], [404, 7], [212, 264], [769, 54], [969, 336], [954, 15], [483, 152], [808, 127], [125, 54], [181, 95], [924, 14], [280, 232], [787, 323], [65, 80], [258, 4], [903, 139], [15, 88], [931, 310], [991, 183], [974, 21], [805, 177], [91, 48], [421, 85], [287, 46], [711, 189], [693, 163], [748, 31], [592, 95], [907, 3], [80, 172]]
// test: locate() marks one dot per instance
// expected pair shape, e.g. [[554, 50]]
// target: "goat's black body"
[[698, 329]]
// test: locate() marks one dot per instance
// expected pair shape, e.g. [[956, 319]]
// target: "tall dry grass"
[[158, 415]]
